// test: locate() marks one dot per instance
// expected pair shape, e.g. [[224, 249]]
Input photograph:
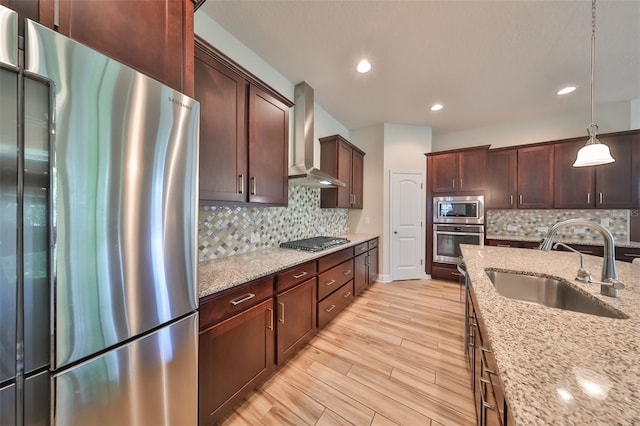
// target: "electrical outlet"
[[367, 220], [512, 228], [604, 222], [255, 237]]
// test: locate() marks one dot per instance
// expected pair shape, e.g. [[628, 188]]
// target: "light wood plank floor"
[[394, 357]]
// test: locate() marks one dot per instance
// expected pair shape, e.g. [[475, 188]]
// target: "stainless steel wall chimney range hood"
[[302, 172]]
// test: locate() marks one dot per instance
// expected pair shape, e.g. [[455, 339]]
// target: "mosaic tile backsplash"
[[227, 230], [535, 223]]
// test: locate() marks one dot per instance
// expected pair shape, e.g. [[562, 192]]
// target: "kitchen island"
[[558, 366]]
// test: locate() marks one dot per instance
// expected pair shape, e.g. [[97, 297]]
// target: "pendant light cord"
[[593, 127]]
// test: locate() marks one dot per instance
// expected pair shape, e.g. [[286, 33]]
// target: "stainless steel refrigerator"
[[98, 210]]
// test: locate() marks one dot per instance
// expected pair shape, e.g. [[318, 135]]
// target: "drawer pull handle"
[[281, 312], [270, 326], [330, 282], [330, 308], [632, 254], [347, 294], [503, 245], [243, 299], [300, 275], [347, 272]]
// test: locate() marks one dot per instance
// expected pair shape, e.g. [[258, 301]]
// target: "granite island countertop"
[[561, 367], [220, 274], [537, 239]]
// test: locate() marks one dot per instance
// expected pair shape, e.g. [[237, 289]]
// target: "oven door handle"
[[479, 234]]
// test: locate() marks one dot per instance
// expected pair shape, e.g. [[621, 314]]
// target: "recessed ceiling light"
[[364, 66], [566, 90], [437, 107]]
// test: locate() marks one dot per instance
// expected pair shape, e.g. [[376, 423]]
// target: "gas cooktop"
[[315, 243]]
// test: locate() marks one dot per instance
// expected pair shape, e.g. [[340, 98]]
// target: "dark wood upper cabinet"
[[535, 177], [357, 179], [608, 186], [573, 186], [342, 159], [502, 179], [153, 36], [244, 133], [459, 172], [617, 184], [444, 175], [223, 151], [268, 148]]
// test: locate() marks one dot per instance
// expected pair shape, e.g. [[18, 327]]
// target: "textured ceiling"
[[489, 62]]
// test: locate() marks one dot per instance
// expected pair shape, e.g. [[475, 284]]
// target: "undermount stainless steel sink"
[[548, 292]]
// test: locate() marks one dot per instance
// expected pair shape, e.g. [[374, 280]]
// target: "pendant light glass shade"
[[594, 152]]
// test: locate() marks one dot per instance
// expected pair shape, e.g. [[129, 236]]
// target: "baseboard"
[[383, 278]]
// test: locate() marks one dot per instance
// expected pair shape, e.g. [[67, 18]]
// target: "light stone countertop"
[[537, 239], [561, 367], [220, 274]]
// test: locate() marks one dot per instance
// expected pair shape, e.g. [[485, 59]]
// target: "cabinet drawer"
[[627, 254], [295, 275], [373, 243], [334, 259], [229, 302], [334, 304], [332, 279], [445, 272], [360, 248]]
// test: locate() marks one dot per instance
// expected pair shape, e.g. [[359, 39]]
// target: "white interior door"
[[407, 218]]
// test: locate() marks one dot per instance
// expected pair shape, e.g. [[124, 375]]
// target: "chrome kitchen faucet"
[[609, 284]]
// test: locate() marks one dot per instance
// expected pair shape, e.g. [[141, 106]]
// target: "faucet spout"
[[609, 271]]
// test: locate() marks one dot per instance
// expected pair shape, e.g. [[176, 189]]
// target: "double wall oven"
[[456, 220]]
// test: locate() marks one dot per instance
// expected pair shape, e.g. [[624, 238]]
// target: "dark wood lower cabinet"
[[247, 331], [360, 275], [234, 357], [296, 319], [491, 406], [331, 306]]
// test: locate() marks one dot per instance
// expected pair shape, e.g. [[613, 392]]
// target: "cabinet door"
[[234, 357], [223, 149], [296, 318], [502, 177], [345, 154], [360, 274], [535, 177], [268, 148], [471, 170], [152, 36], [573, 186], [372, 273], [615, 186], [444, 173], [357, 179]]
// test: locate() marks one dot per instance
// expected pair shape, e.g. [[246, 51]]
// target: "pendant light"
[[594, 152]]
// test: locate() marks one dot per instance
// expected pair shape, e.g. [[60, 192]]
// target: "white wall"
[[388, 147], [611, 117], [325, 124], [635, 114]]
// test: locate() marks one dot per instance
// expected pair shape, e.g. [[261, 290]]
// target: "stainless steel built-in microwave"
[[459, 209]]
